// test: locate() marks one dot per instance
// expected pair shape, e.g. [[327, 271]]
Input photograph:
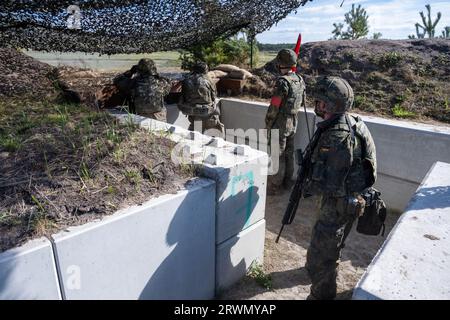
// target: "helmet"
[[287, 57], [200, 67], [147, 66], [335, 92]]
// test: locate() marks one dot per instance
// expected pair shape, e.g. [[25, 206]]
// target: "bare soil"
[[64, 164], [284, 262], [407, 79]]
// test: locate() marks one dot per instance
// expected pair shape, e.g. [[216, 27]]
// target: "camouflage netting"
[[132, 26]]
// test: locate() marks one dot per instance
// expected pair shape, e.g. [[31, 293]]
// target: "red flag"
[[297, 49]]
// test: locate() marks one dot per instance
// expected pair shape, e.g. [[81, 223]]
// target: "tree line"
[[357, 26]]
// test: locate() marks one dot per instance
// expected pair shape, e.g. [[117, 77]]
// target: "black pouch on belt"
[[372, 221]]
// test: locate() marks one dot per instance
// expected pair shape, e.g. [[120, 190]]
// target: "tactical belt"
[[288, 113], [199, 110]]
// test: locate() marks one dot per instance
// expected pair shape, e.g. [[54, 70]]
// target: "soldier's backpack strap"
[[350, 128], [286, 106]]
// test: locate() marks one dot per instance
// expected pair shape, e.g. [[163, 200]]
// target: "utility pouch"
[[372, 220]]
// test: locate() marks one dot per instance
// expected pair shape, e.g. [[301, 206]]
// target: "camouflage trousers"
[[212, 122], [287, 126], [335, 219]]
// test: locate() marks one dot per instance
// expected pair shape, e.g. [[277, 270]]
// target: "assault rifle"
[[304, 161]]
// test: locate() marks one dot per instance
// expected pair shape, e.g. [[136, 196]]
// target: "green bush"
[[389, 60], [400, 112], [359, 101], [231, 51]]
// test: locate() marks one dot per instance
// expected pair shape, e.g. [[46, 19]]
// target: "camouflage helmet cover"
[[200, 67], [335, 92], [147, 66], [287, 57]]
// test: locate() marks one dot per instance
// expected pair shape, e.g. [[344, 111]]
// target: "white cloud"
[[395, 19]]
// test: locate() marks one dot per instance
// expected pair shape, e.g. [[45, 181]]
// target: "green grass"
[[264, 57], [359, 101], [133, 176], [389, 59], [400, 112], [10, 143], [257, 273], [121, 62]]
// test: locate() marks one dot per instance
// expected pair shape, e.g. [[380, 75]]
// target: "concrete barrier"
[[162, 249], [405, 150], [414, 261], [235, 255], [175, 117], [29, 272], [240, 174]]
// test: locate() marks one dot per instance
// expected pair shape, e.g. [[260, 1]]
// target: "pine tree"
[[357, 24], [337, 32], [377, 35]]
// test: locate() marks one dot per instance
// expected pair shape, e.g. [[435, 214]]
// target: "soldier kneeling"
[[199, 99], [144, 90]]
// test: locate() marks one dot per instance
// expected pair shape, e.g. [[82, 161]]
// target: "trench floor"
[[284, 262]]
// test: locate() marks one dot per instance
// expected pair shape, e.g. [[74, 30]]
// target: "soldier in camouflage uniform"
[[288, 98], [343, 166], [145, 89], [199, 99]]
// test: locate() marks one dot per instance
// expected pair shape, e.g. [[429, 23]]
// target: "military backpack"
[[198, 96], [148, 95], [294, 99]]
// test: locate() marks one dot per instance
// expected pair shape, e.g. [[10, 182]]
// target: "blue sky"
[[395, 19]]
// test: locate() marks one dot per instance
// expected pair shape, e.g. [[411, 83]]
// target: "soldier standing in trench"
[[343, 165], [288, 98], [144, 90]]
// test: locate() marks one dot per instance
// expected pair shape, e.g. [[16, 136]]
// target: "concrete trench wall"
[[161, 249], [405, 150], [240, 173], [227, 240], [207, 234], [414, 261], [29, 272]]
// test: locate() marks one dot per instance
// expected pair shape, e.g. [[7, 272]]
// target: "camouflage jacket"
[[199, 95], [288, 97], [148, 93], [337, 169]]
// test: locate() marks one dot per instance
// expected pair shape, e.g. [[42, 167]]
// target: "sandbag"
[[240, 74], [226, 67], [217, 74]]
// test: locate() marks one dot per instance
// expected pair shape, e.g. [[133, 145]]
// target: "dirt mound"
[[85, 82], [63, 165], [23, 75], [395, 78], [401, 78]]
